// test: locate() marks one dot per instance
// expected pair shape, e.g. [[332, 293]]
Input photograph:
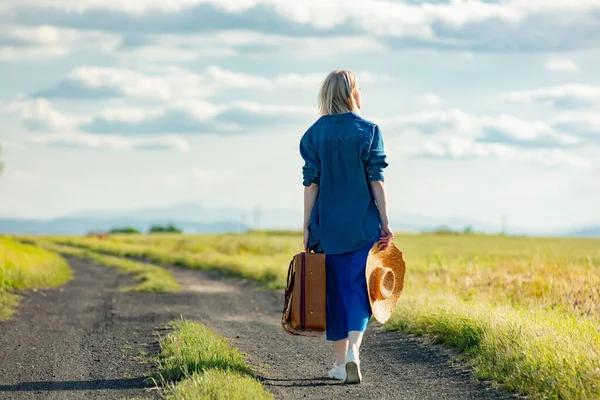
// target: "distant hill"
[[80, 226], [275, 218], [195, 218], [590, 232]]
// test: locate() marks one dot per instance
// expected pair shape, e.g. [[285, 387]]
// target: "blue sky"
[[487, 108]]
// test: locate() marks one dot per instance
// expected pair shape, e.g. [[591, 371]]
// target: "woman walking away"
[[345, 211]]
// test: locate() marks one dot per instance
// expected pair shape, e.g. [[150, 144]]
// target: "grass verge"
[[197, 363], [541, 354], [259, 258], [152, 277], [27, 267]]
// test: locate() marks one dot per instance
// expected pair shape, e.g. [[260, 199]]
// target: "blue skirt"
[[348, 307]]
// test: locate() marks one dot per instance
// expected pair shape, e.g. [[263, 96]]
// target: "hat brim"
[[388, 258]]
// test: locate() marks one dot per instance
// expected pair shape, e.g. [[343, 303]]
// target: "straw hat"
[[385, 280]]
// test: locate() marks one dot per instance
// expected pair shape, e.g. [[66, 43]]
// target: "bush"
[[127, 229], [164, 229], [444, 230]]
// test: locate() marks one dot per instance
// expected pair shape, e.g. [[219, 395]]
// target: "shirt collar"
[[342, 116]]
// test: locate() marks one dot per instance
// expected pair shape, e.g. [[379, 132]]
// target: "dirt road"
[[82, 341]]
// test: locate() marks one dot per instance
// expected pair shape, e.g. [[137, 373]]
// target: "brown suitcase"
[[305, 303]]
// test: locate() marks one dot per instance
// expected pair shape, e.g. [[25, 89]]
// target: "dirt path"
[[80, 342]]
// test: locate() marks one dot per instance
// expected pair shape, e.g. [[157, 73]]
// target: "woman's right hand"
[[387, 235]]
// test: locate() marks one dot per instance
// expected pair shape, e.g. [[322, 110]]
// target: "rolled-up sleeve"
[[375, 159], [312, 165]]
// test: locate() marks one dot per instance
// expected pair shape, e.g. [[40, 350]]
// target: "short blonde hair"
[[337, 93]]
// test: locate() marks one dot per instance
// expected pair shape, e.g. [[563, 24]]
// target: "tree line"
[[153, 229]]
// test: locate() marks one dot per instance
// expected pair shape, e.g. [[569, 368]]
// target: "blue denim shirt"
[[342, 153]]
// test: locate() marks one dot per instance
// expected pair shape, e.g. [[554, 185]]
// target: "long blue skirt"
[[348, 307]]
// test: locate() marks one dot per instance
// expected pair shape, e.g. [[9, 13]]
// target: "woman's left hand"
[[306, 236], [387, 235]]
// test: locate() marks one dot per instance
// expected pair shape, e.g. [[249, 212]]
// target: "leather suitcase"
[[305, 302]]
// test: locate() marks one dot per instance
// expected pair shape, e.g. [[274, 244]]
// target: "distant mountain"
[[80, 226], [194, 218], [179, 212], [275, 218], [590, 232]]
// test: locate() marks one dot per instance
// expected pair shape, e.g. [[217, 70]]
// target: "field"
[[27, 267], [525, 312]]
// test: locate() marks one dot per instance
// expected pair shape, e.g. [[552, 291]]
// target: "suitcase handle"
[[289, 287]]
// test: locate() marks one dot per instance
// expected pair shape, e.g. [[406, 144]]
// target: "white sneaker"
[[338, 372], [353, 374]]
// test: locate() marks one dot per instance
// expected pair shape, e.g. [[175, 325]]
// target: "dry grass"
[[152, 278], [256, 257], [27, 267]]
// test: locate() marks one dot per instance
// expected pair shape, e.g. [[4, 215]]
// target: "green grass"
[[258, 257], [525, 312], [547, 355], [27, 267], [152, 278], [196, 363]]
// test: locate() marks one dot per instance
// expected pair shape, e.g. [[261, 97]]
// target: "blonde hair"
[[337, 93]]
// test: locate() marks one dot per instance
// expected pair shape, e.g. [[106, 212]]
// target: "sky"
[[486, 108]]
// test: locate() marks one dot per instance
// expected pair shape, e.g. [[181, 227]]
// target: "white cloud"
[[63, 129], [230, 79], [565, 96], [317, 12], [377, 16], [459, 148], [431, 99], [454, 134], [525, 130], [561, 64], [40, 112], [14, 53], [53, 35], [174, 84], [230, 43], [586, 125], [337, 12], [135, 7], [130, 114], [592, 118], [180, 116], [45, 42], [113, 142], [458, 24], [261, 108], [555, 157], [503, 128], [541, 6], [432, 122]]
